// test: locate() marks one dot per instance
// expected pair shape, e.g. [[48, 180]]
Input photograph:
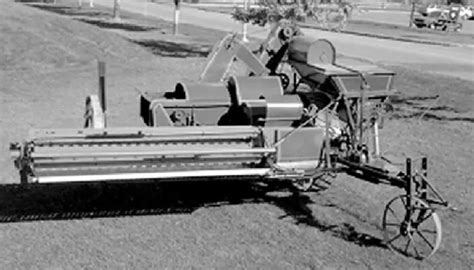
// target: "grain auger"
[[294, 114]]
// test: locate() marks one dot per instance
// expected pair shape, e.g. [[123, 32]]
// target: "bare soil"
[[224, 225]]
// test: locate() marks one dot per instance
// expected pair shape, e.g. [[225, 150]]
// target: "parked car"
[[446, 19], [466, 13], [430, 20], [434, 7], [431, 8]]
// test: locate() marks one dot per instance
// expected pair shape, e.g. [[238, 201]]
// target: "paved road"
[[400, 18], [451, 61]]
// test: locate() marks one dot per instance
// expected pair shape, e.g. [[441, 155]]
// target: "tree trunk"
[[298, 4], [177, 5], [244, 25], [116, 9], [412, 13]]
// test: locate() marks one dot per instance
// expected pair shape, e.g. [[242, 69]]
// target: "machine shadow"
[[20, 203], [432, 116], [426, 108], [296, 206], [26, 203]]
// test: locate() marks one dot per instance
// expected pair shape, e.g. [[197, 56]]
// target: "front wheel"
[[412, 229]]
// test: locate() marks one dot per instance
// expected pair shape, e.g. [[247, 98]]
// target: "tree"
[[116, 9], [304, 9]]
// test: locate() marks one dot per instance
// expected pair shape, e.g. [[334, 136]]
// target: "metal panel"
[[304, 145], [218, 61], [281, 111], [142, 132], [222, 56], [376, 82], [94, 116], [254, 88], [157, 154], [310, 51], [203, 91], [195, 112], [159, 116], [156, 175]]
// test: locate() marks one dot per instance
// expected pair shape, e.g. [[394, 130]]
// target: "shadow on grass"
[[22, 203], [72, 10], [172, 49], [296, 206], [431, 116], [97, 18], [424, 107], [117, 25]]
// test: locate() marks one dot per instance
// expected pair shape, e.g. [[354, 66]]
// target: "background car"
[[466, 13]]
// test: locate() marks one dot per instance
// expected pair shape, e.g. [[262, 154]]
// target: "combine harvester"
[[315, 119]]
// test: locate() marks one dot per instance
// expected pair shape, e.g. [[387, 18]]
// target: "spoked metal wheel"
[[414, 231], [304, 184], [316, 183]]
